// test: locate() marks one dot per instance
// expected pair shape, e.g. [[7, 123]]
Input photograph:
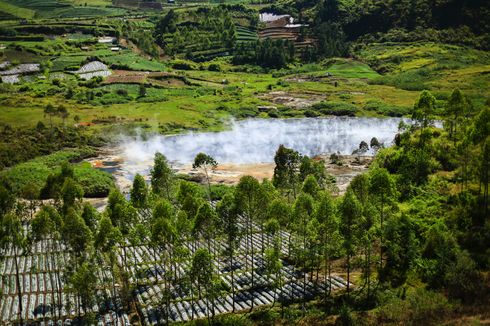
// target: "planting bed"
[[46, 296]]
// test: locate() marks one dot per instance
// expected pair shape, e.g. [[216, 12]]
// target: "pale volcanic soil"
[[230, 174]]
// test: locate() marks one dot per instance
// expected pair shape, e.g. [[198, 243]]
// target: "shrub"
[[214, 67], [335, 108]]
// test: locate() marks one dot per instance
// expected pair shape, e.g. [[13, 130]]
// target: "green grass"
[[16, 11], [351, 69], [132, 61], [94, 182]]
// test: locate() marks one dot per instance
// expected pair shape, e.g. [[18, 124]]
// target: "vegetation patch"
[[35, 172]]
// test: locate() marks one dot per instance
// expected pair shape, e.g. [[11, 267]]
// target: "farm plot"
[[34, 283], [40, 287], [13, 75], [93, 69], [155, 279], [126, 77]]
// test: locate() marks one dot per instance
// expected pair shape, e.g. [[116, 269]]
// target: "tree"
[[228, 218], [12, 237], [50, 111], [202, 272], [326, 216], [84, 283], [47, 224], [286, 169], [162, 177], [273, 263], [400, 247], [76, 233], [251, 200], [163, 237], [302, 213], [205, 162], [383, 191], [311, 187], [350, 211], [438, 255], [424, 109], [316, 169], [463, 280], [63, 113], [139, 192], [455, 109], [205, 223], [142, 90], [71, 193]]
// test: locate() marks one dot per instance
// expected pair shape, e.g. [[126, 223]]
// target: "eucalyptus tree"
[[206, 224], [250, 200], [228, 219], [273, 262], [350, 210], [139, 193], [189, 198], [360, 186], [71, 194], [84, 283], [424, 109], [123, 216], [31, 192], [315, 168], [286, 171], [106, 239], [205, 162], [382, 193], [51, 112], [311, 187], [330, 239], [202, 272], [303, 210], [76, 234], [401, 247], [47, 225], [163, 237], [162, 177], [90, 216], [456, 110], [280, 211], [12, 236]]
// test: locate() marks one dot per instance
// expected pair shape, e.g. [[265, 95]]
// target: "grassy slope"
[[16, 10], [94, 182]]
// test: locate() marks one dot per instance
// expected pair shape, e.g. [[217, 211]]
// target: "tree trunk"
[[19, 289]]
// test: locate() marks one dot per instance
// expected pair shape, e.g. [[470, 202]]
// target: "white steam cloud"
[[256, 140]]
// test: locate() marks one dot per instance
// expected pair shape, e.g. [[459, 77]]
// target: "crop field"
[[11, 11], [245, 35], [58, 9], [45, 296]]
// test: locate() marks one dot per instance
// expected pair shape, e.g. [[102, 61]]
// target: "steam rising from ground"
[[256, 140]]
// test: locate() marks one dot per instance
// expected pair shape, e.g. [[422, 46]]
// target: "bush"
[[214, 67], [95, 183], [421, 307], [335, 108]]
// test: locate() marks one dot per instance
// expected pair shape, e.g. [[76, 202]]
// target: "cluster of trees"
[[205, 31], [335, 23], [140, 35], [267, 53], [18, 145]]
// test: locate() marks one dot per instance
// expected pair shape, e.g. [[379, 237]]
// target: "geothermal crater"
[[248, 147]]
